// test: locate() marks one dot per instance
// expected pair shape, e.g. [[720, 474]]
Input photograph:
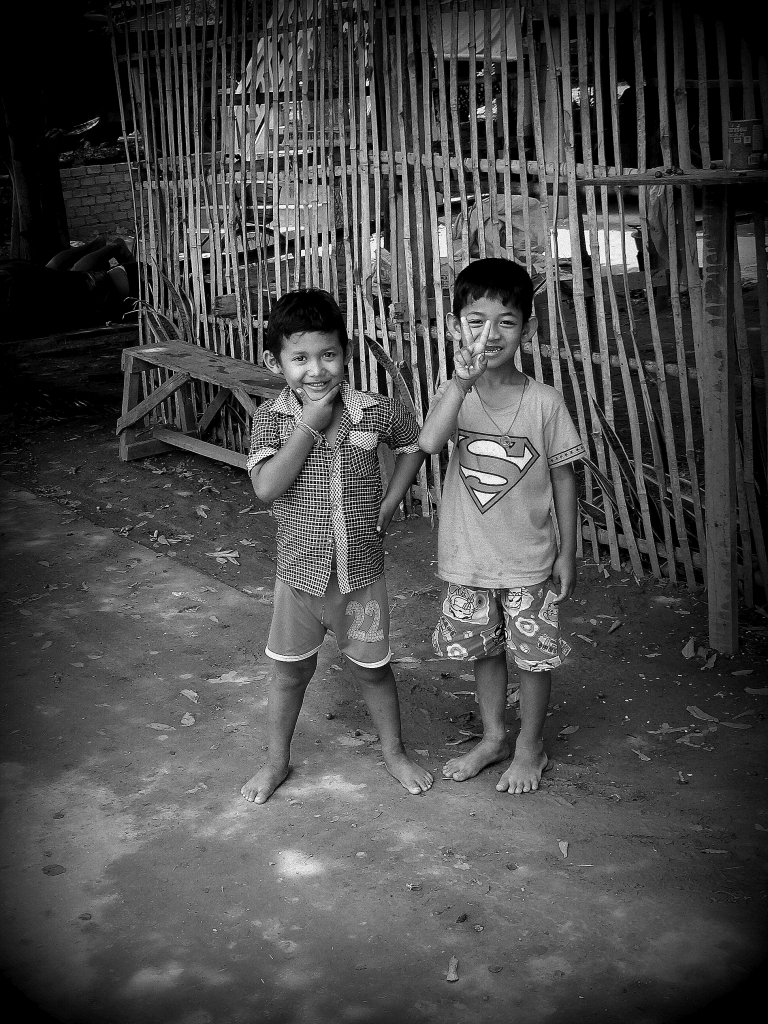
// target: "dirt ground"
[[139, 886]]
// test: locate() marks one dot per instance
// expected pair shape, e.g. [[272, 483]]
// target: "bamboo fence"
[[373, 149]]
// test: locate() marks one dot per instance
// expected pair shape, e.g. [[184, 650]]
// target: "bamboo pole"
[[520, 124], [725, 98], [454, 94], [474, 145], [749, 512], [629, 396], [718, 422], [416, 134], [391, 127], [703, 96], [594, 244]]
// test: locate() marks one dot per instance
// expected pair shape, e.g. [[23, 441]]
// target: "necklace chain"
[[504, 433]]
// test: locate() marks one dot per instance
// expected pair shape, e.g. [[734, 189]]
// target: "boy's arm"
[[566, 510], [273, 476], [442, 417], [469, 362], [407, 465]]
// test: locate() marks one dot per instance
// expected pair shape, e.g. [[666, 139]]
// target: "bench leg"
[[130, 448]]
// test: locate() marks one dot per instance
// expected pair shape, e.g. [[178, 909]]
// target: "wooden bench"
[[234, 378]]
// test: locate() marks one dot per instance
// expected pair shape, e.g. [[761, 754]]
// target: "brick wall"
[[98, 200]]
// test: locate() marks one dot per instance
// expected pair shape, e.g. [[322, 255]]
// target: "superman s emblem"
[[490, 466]]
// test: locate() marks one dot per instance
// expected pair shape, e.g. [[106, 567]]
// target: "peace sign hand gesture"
[[470, 360]]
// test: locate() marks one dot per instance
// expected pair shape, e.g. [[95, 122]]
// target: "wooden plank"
[[245, 400], [718, 417], [211, 368], [153, 399], [194, 444], [212, 411], [141, 449]]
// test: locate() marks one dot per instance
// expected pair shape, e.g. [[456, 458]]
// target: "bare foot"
[[486, 752], [524, 774], [264, 783], [412, 776]]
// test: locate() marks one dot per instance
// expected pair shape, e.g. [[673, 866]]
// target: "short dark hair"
[[307, 309], [496, 278]]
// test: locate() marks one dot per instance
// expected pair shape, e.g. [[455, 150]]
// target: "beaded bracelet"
[[315, 434]]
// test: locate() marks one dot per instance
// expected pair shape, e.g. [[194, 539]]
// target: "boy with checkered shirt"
[[314, 455], [506, 569]]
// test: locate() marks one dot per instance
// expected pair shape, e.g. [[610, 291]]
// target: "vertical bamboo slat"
[[718, 420]]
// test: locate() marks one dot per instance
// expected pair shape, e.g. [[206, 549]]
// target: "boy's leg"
[[524, 774], [491, 688], [286, 695], [380, 691]]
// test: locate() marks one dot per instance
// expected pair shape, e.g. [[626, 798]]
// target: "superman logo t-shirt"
[[496, 525]]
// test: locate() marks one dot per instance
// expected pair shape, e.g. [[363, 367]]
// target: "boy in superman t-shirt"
[[505, 565]]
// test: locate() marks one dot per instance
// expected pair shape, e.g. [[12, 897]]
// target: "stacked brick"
[[98, 200]]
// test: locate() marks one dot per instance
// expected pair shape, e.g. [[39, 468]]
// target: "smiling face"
[[507, 332], [311, 360]]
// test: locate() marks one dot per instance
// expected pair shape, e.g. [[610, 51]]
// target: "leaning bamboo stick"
[[415, 138], [598, 299], [761, 266], [390, 132], [640, 483], [425, 18], [520, 125], [575, 228], [722, 72], [688, 251], [430, 15], [748, 502], [459, 157], [348, 240], [549, 225], [404, 194], [621, 359], [748, 81], [363, 175], [477, 189], [490, 144], [701, 66], [416, 113]]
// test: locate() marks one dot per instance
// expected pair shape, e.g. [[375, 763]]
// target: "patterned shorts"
[[478, 623], [360, 621]]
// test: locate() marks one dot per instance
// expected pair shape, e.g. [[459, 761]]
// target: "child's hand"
[[564, 577], [385, 517], [318, 413], [470, 359]]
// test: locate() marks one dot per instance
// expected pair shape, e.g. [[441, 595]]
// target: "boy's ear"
[[347, 353], [272, 363], [530, 328], [453, 325]]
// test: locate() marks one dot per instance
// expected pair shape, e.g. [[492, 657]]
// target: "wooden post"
[[717, 389]]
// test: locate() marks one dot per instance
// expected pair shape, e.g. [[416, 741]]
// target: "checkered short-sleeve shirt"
[[332, 507]]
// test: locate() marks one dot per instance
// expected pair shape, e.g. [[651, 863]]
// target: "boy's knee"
[[289, 674], [367, 675]]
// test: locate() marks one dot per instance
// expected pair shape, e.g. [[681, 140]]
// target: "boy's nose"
[[494, 332]]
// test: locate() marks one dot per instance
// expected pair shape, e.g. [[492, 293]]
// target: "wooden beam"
[[192, 444], [211, 412], [152, 400], [717, 389]]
